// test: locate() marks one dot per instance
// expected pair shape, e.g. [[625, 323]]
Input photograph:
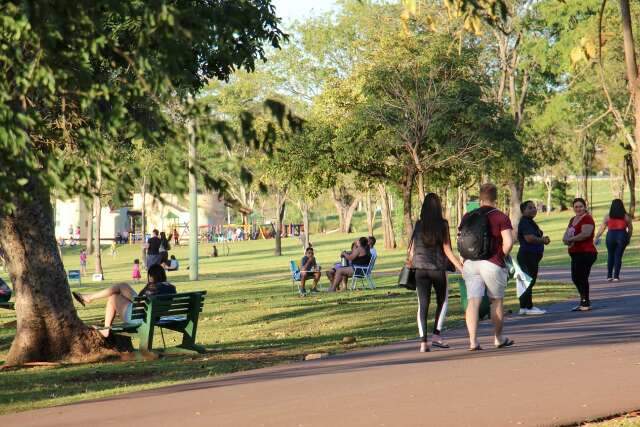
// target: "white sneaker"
[[535, 311], [523, 312]]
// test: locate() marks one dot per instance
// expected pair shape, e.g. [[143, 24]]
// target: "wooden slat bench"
[[7, 305], [176, 312]]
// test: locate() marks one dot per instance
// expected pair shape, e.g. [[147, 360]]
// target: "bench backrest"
[[151, 309]]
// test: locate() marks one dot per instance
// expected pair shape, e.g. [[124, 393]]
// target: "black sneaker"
[[314, 290], [303, 293]]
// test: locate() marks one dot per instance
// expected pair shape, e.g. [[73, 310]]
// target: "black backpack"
[[474, 238]]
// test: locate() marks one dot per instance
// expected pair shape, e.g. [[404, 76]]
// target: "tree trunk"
[[420, 183], [630, 178], [460, 205], [48, 327], [387, 219], [91, 209], [98, 256], [346, 205], [516, 190], [143, 222], [305, 224], [371, 213], [349, 213], [548, 182], [280, 206]]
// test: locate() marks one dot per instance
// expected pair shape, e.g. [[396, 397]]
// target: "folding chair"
[[295, 275], [362, 273]]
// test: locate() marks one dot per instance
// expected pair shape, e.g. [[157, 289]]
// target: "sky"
[[290, 10]]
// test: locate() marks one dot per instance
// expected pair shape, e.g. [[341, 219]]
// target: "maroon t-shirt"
[[498, 222]]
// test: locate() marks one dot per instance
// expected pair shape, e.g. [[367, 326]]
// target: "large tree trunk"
[[632, 72], [516, 191], [371, 212], [280, 206], [630, 178], [91, 209], [388, 234], [345, 205], [48, 327]]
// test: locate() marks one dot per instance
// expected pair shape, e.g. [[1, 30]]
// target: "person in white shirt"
[[372, 243], [172, 265]]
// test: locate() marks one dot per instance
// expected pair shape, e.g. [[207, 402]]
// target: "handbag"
[[407, 278]]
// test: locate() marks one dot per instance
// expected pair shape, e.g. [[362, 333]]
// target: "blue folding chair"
[[295, 275], [362, 273]]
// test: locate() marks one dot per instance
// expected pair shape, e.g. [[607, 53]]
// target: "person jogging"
[[484, 240], [430, 249], [579, 238], [532, 243], [620, 228]]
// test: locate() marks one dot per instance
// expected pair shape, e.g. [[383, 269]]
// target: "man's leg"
[[472, 317], [497, 317], [303, 278], [316, 279]]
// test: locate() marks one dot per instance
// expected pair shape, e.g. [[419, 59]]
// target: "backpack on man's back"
[[474, 238]]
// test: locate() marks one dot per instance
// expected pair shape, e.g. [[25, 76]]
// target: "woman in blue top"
[[532, 242]]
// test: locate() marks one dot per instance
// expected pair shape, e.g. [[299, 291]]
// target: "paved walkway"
[[564, 368]]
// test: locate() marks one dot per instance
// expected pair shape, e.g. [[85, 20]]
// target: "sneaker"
[[585, 308], [535, 311], [315, 290], [616, 279], [303, 293], [609, 279], [576, 308], [523, 312]]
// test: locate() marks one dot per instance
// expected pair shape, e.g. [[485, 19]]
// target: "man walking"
[[484, 241], [153, 250]]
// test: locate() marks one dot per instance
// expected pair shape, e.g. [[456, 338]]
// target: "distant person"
[[309, 269], [620, 229], [579, 238], [135, 273], [372, 243], [83, 262], [172, 264], [164, 248], [532, 242], [430, 250], [114, 248], [484, 268], [176, 237], [120, 297], [214, 252], [77, 235], [153, 249], [360, 255]]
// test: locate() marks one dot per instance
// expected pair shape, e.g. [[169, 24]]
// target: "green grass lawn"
[[252, 318]]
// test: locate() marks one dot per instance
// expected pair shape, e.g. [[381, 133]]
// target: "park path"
[[564, 368]]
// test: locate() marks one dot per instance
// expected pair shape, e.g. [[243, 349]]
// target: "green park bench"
[[7, 305], [176, 312]]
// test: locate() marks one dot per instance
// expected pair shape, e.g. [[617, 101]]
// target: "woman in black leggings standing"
[[430, 249], [579, 239]]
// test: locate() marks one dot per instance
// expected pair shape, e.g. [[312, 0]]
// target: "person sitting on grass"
[[120, 297], [172, 264], [360, 255], [309, 269]]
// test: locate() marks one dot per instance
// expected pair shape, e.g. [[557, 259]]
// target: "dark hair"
[[617, 209], [372, 241], [308, 249], [524, 205], [163, 235], [156, 272], [136, 261], [581, 200], [488, 192], [173, 257], [434, 226], [364, 242], [155, 231]]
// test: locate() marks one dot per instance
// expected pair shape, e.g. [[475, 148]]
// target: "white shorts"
[[128, 312], [481, 275]]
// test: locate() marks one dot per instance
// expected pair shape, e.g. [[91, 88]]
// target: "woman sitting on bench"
[[120, 297]]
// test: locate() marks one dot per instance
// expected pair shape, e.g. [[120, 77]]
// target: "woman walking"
[[532, 242], [620, 227], [430, 248], [579, 239], [164, 248]]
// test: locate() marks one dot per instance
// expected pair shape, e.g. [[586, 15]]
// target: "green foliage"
[[80, 78]]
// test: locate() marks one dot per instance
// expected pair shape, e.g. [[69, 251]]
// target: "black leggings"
[[616, 243], [581, 264], [529, 263], [425, 279]]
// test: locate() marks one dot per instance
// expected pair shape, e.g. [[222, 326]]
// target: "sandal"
[[506, 343], [439, 344], [78, 298], [476, 348]]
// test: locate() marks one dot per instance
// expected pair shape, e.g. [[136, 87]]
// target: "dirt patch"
[[125, 376]]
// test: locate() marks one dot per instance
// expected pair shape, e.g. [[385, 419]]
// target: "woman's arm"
[[584, 234], [533, 239], [354, 254], [603, 226], [451, 256]]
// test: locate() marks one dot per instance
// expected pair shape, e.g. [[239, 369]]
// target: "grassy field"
[[252, 317]]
